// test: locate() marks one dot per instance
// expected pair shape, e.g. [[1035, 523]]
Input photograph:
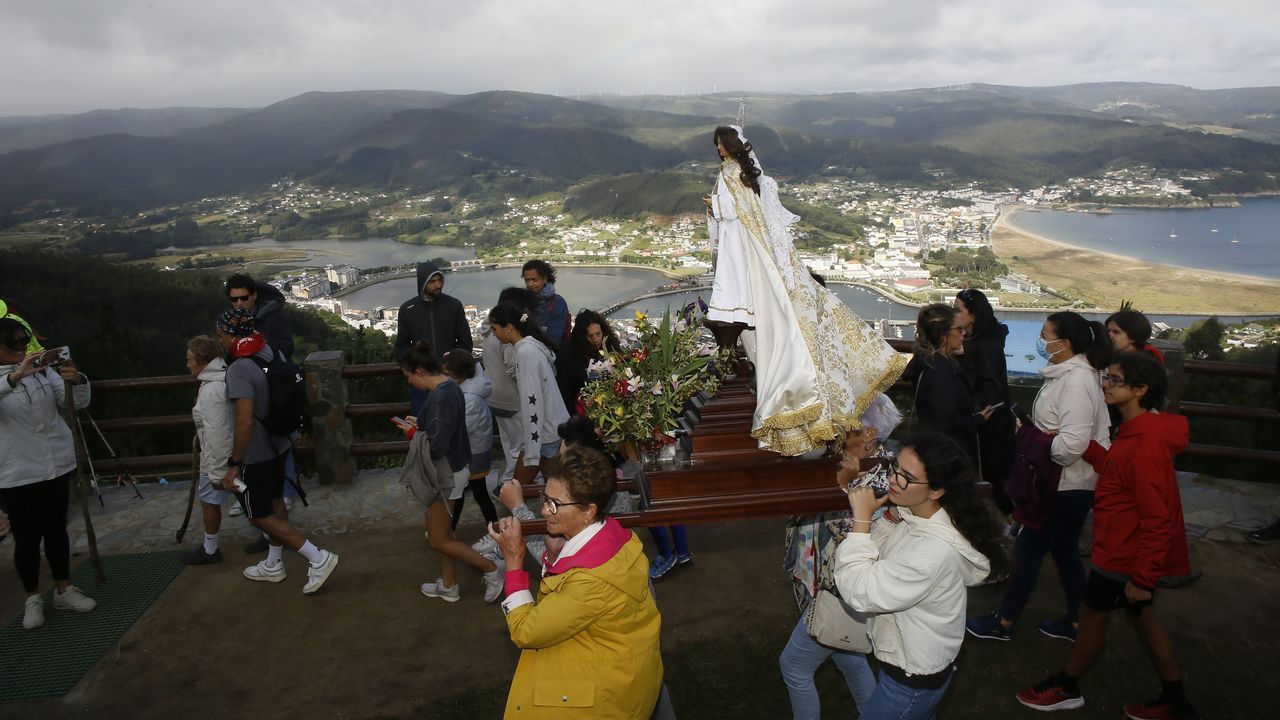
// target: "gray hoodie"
[[541, 407]]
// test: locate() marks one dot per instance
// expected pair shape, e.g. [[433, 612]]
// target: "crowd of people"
[[887, 578]]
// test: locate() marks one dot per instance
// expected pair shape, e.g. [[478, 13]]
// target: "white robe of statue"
[[818, 365]]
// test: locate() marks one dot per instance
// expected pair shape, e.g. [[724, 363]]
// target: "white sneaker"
[[493, 582], [319, 572], [263, 572], [484, 545], [438, 590], [288, 504], [33, 616], [73, 599], [235, 509]]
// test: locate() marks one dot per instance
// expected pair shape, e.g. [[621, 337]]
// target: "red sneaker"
[[1051, 695], [1159, 709]]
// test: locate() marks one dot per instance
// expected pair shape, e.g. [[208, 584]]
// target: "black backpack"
[[286, 394]]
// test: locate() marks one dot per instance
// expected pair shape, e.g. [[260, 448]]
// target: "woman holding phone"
[[943, 401], [39, 460]]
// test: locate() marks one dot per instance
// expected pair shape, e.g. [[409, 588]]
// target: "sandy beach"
[[1104, 279]]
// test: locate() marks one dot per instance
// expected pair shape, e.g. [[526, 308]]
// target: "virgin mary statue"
[[818, 365]]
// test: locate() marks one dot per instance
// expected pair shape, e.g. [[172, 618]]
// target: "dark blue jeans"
[[1059, 537]]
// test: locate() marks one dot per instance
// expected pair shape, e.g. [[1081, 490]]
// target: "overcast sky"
[[59, 56]]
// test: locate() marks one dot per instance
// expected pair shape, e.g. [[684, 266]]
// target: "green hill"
[[659, 193]]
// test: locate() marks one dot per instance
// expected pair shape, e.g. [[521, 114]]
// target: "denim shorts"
[[550, 450]]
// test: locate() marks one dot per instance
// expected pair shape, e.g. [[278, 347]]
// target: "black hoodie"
[[440, 321]]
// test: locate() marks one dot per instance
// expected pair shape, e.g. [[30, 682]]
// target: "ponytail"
[[1087, 337], [508, 313]]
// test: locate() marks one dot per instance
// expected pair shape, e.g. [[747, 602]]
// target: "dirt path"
[[370, 646]]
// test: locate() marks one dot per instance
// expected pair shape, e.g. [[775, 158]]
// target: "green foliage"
[[349, 222], [183, 232], [1203, 339], [123, 322], [662, 193]]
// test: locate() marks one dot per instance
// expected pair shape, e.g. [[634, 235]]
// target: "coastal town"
[[905, 236]]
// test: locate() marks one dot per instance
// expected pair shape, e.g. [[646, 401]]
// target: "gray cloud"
[[76, 55]]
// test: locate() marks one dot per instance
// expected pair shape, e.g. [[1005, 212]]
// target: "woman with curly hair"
[[910, 571], [817, 365]]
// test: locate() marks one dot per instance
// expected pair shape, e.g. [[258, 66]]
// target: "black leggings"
[[39, 512], [481, 493]]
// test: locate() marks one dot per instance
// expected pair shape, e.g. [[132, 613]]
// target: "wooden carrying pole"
[[69, 414], [195, 480]]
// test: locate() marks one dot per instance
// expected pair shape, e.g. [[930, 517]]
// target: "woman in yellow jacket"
[[590, 642]]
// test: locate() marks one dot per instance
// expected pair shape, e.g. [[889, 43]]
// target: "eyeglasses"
[[18, 343], [555, 505], [238, 298], [903, 479], [1114, 380]]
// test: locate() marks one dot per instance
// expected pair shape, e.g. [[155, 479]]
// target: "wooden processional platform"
[[725, 476]]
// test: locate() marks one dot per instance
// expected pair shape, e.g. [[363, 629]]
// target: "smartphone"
[[54, 357], [1021, 414]]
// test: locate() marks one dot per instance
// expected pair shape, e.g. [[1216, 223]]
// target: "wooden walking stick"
[[69, 412], [195, 480]]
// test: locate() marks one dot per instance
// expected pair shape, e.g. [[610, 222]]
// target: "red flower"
[[620, 388], [639, 355]]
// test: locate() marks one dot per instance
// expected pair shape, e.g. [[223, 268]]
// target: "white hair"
[[882, 415]]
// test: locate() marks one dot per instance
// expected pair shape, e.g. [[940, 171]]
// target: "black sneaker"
[[197, 556], [1268, 535], [259, 545], [1170, 582]]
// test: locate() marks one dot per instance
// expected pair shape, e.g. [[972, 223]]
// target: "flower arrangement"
[[636, 395]]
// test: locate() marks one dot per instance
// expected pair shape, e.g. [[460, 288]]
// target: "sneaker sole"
[[446, 598], [1001, 638], [1055, 636], [309, 588], [265, 578], [1068, 704]]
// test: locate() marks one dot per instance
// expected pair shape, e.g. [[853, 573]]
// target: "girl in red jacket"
[[1138, 537]]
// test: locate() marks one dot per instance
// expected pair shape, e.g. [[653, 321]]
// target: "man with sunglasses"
[[267, 305]]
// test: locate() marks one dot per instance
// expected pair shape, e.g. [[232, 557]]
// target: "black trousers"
[[38, 512], [481, 494]]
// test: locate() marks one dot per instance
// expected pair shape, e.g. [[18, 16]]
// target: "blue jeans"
[[895, 701], [1060, 537], [802, 657], [659, 534]]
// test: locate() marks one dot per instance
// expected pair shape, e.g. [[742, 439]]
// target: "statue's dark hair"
[[740, 151]]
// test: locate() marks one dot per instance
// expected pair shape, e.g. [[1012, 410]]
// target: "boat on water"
[[1173, 234], [1213, 229], [1234, 240]]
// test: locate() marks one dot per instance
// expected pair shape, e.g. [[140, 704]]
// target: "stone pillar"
[[1174, 357], [330, 428]]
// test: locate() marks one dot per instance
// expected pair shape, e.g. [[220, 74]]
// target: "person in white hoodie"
[[213, 417], [37, 465], [541, 406], [1071, 408], [499, 360], [474, 382], [910, 569]]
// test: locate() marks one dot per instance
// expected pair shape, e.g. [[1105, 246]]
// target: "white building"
[[1014, 282], [342, 274]]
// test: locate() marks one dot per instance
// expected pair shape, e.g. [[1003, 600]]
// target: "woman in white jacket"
[[1071, 408], [37, 462], [910, 569], [212, 414], [541, 406]]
